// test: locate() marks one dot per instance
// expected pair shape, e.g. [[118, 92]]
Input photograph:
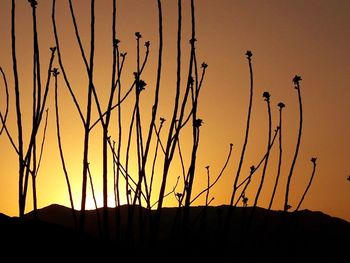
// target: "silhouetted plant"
[[55, 73], [168, 149], [28, 162], [119, 145], [313, 160], [18, 113], [296, 82], [178, 119], [86, 120], [280, 105], [249, 55], [105, 124], [136, 119], [104, 117], [266, 97], [139, 142]]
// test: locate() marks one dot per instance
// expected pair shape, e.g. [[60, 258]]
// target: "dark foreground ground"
[[304, 236]]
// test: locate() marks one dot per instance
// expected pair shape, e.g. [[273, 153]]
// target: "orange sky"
[[309, 38]]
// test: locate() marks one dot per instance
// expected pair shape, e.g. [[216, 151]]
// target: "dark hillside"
[[296, 237]]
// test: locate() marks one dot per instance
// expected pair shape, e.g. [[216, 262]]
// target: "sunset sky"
[[310, 38]]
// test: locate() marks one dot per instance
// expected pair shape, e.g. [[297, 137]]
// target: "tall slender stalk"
[[313, 160], [114, 84], [167, 158], [140, 84], [58, 131], [28, 163], [266, 96], [88, 117], [249, 57], [281, 105], [196, 123], [36, 101], [21, 165], [119, 145], [105, 126], [296, 82], [155, 104], [89, 69]]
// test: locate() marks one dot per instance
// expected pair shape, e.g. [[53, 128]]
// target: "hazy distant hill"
[[299, 237]]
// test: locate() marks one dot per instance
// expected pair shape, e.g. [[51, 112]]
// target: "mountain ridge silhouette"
[[307, 235]]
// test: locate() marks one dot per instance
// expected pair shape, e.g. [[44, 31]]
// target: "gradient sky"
[[309, 38]]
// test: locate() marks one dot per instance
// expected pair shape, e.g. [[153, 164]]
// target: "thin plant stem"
[[156, 98], [36, 105], [296, 81], [266, 96], [30, 157], [21, 165], [59, 140], [173, 120], [313, 160], [234, 190], [115, 57], [281, 106], [88, 117], [249, 55]]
